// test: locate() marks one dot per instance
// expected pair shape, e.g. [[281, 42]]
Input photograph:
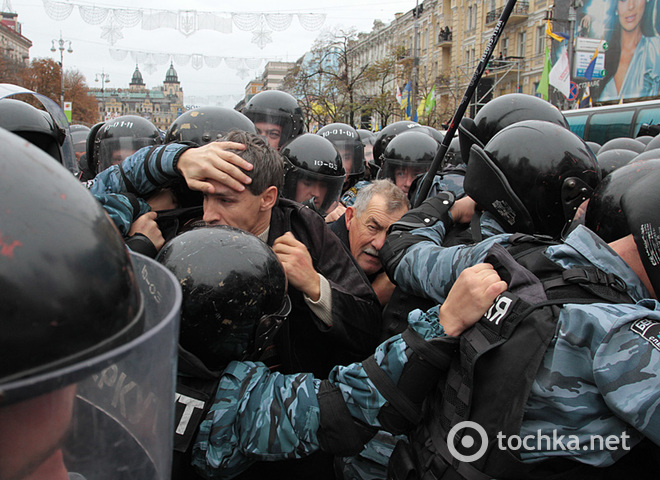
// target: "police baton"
[[460, 111]]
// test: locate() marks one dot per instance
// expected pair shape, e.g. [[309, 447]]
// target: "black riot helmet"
[[532, 176], [502, 112], [453, 155], [34, 125], [610, 160], [120, 138], [205, 124], [347, 141], [313, 172], [79, 138], [623, 143], [276, 115], [387, 134], [58, 244], [604, 214], [640, 207], [234, 289], [407, 156]]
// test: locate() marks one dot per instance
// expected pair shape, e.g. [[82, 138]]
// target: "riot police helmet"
[[34, 125], [502, 112], [277, 116], [387, 134], [604, 215], [610, 160], [121, 137], [205, 124], [407, 156], [532, 176], [623, 143], [313, 172], [233, 287], [347, 141], [639, 207]]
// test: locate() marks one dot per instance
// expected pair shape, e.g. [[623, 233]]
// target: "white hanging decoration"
[[126, 17], [311, 21], [212, 61], [197, 61], [233, 62], [57, 10], [117, 54], [242, 73], [111, 32], [92, 14], [211, 21], [278, 21], [155, 19], [181, 59], [246, 21], [262, 36], [187, 22]]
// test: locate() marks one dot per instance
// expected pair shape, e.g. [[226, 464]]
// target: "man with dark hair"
[[335, 316]]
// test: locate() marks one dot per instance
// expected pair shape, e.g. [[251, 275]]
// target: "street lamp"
[[105, 78], [61, 42]]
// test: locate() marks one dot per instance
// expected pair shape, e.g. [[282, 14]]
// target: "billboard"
[[621, 38]]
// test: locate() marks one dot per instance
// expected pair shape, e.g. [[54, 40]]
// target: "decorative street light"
[[105, 78], [61, 42]]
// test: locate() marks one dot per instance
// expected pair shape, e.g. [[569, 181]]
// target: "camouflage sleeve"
[[429, 270], [262, 415], [143, 172], [121, 210], [257, 415], [626, 368]]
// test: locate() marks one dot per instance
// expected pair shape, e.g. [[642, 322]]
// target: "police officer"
[[85, 380], [277, 116], [313, 172]]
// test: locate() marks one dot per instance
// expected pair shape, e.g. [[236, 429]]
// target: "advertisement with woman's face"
[[625, 34]]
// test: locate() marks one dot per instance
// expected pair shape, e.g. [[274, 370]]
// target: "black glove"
[[399, 238]]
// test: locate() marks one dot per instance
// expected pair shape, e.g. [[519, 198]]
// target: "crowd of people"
[[332, 324]]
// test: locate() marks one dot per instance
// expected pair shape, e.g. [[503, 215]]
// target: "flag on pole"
[[405, 100], [585, 101], [560, 75], [398, 95], [589, 72], [430, 100], [560, 37], [542, 89], [421, 108]]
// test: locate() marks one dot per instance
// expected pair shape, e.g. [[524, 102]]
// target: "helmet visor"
[[113, 150], [313, 189], [108, 415]]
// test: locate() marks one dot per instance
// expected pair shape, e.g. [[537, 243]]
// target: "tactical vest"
[[509, 342]]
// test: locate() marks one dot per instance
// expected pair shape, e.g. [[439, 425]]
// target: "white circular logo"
[[467, 441]]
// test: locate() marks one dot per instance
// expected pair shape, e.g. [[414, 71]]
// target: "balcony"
[[520, 13]]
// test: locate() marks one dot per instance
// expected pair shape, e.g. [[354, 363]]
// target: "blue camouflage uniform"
[[134, 178], [598, 376]]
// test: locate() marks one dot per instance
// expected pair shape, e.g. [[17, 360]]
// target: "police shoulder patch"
[[648, 330]]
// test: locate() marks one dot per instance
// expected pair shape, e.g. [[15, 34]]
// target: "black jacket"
[[306, 344]]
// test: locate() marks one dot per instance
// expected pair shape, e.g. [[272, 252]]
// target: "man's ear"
[[349, 215], [268, 198]]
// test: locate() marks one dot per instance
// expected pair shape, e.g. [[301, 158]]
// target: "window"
[[606, 125], [522, 36], [505, 47], [468, 19], [540, 40], [647, 115]]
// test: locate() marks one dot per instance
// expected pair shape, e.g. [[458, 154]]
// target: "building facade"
[[13, 45], [440, 43], [160, 105]]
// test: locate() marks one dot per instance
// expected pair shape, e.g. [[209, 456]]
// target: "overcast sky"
[[92, 53]]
